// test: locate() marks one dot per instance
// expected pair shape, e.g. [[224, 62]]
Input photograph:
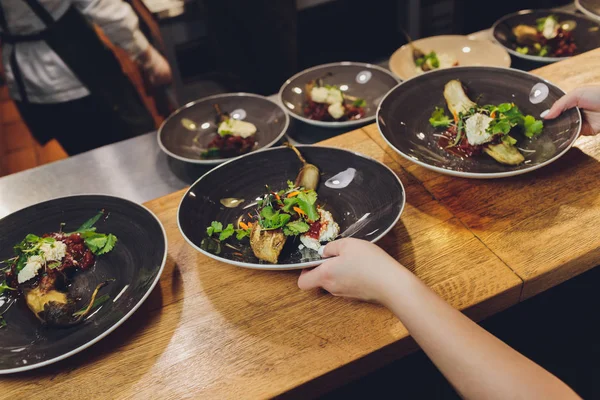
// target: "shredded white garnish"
[[526, 151]]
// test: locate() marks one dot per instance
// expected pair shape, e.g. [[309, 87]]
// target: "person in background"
[[65, 82], [476, 363]]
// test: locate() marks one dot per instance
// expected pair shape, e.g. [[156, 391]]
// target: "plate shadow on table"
[[148, 316]]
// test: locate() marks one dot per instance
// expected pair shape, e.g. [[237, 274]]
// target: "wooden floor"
[[18, 150]]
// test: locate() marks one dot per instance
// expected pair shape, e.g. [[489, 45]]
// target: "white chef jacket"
[[46, 77]]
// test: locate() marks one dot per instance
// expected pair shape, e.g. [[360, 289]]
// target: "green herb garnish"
[[439, 119]]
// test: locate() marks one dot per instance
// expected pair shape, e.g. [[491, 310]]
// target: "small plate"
[[366, 204], [365, 81], [135, 263], [591, 8], [403, 120], [468, 52], [270, 119], [586, 34]]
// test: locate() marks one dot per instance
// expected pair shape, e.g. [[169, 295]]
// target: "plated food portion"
[[474, 129], [68, 280], [43, 267], [438, 52], [545, 35], [336, 95], [217, 128], [477, 122], [275, 209]]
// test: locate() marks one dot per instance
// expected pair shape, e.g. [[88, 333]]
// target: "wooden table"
[[215, 331]]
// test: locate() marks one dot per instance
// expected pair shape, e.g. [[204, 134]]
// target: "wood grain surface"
[[211, 330]]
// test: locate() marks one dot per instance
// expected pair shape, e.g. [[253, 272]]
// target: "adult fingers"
[[333, 249], [569, 100]]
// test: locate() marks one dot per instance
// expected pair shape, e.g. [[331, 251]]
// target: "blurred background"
[[217, 46]]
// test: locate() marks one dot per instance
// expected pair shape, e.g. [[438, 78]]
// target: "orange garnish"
[[296, 193], [299, 211], [493, 114], [249, 224], [243, 225]]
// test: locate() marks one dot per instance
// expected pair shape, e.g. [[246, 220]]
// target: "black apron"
[[73, 38]]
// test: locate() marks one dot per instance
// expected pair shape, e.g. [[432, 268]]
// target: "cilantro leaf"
[[271, 219], [4, 286], [295, 228], [215, 227], [242, 233], [509, 140], [227, 232], [501, 126], [504, 107], [90, 222], [96, 243], [439, 119], [532, 127], [111, 240], [359, 103], [306, 202], [289, 203]]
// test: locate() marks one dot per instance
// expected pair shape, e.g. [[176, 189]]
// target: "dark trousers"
[[79, 125]]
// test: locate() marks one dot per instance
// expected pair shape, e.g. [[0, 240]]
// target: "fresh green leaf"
[[532, 127], [21, 263], [439, 119], [420, 61], [523, 50], [271, 219], [111, 240], [227, 232], [4, 287], [306, 202], [359, 103], [215, 227], [95, 244], [31, 238], [504, 107], [242, 233], [90, 222], [501, 126], [291, 185], [97, 303], [509, 140], [295, 228], [433, 60], [289, 203]]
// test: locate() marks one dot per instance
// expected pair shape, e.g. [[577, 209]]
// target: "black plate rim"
[[331, 124], [218, 96], [285, 267], [125, 317], [478, 175], [587, 12], [545, 60]]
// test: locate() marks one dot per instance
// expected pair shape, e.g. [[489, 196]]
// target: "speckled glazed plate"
[[467, 52], [135, 264], [586, 34], [403, 120], [366, 81], [364, 196], [270, 119]]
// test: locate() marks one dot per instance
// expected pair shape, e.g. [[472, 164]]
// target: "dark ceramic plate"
[[135, 263], [591, 8], [270, 119], [586, 34], [403, 119], [366, 200], [365, 81]]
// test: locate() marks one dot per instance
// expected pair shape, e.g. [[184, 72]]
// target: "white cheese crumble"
[[34, 264], [54, 251], [476, 129], [328, 232], [329, 95], [336, 110], [236, 127]]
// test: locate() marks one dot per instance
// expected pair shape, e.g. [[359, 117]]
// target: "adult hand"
[[155, 67], [356, 269], [587, 98]]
